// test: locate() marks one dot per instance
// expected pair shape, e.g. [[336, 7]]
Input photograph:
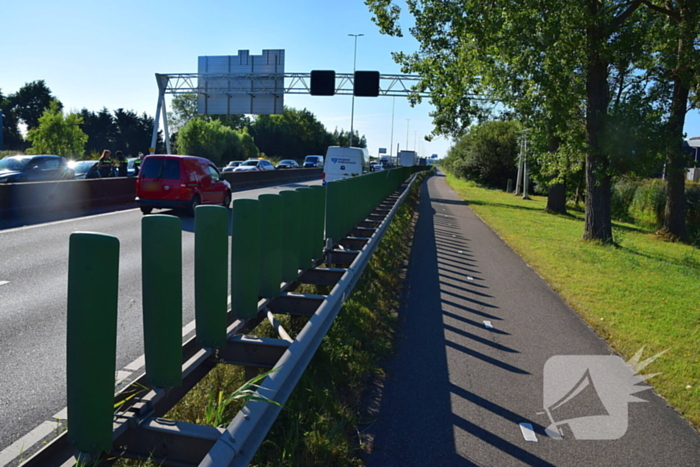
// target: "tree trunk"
[[674, 215], [598, 222], [556, 198]]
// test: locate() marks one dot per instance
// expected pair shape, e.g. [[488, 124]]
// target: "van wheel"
[[227, 200], [146, 210], [193, 205]]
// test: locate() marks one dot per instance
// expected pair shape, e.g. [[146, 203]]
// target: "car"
[[232, 165], [313, 161], [84, 169], [38, 168], [179, 182], [130, 169], [288, 164], [254, 164], [375, 167]]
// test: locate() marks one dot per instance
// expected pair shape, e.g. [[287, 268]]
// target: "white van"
[[344, 162]]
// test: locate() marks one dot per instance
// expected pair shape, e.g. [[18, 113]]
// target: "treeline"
[[84, 134], [600, 87]]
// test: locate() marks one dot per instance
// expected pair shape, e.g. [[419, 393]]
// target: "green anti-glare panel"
[[291, 241], [211, 274], [161, 254], [245, 257], [271, 245], [93, 286]]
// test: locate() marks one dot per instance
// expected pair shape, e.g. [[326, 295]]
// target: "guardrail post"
[[93, 289], [211, 274], [292, 241], [161, 254], [245, 257], [270, 245]]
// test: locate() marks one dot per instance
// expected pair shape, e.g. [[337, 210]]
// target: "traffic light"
[[322, 82], [366, 84]]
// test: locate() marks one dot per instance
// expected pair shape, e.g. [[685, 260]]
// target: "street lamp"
[[354, 65]]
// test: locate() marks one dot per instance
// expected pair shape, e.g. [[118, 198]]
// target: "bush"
[[649, 203], [623, 193]]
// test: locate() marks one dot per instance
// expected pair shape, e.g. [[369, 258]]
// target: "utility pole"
[[354, 65], [393, 105], [408, 120]]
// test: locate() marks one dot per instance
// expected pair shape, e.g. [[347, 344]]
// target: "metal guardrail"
[[137, 431]]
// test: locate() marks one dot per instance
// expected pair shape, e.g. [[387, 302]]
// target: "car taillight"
[[323, 177]]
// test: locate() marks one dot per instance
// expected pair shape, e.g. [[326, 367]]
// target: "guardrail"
[[19, 200], [357, 211]]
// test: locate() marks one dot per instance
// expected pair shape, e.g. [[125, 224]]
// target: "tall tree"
[[12, 137], [678, 51], [58, 134], [533, 47], [30, 102]]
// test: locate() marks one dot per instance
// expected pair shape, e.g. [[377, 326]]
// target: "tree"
[[30, 102], [210, 139], [487, 154], [525, 49], [294, 134], [183, 109], [12, 137], [58, 134], [678, 52]]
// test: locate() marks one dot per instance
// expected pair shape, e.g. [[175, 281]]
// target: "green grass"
[[641, 292]]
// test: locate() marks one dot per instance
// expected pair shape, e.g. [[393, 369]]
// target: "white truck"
[[407, 158]]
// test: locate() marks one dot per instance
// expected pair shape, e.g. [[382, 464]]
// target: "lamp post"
[[354, 65]]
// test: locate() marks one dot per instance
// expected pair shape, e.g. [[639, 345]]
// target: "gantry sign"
[[256, 84]]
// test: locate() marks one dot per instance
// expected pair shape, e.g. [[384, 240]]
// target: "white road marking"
[[20, 446], [528, 432], [488, 324], [4, 282], [470, 278], [459, 251], [65, 221]]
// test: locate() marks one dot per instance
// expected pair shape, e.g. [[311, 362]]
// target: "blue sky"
[[105, 54]]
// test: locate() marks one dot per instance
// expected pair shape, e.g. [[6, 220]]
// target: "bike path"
[[457, 391]]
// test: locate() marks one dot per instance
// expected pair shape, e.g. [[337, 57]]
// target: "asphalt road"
[[33, 283], [457, 391]]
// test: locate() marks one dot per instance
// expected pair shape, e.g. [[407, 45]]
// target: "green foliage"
[[648, 205], [183, 108], [487, 154], [124, 130], [29, 103], [210, 139], [58, 134]]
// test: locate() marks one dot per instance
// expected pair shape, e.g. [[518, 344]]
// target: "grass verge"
[[642, 292]]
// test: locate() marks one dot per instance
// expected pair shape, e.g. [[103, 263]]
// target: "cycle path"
[[478, 327]]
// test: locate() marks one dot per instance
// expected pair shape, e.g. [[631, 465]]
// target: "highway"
[[33, 284]]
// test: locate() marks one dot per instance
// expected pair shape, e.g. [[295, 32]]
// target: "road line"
[[20, 446], [528, 432], [64, 221], [4, 282]]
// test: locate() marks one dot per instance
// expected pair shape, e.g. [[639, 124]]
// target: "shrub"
[[649, 203], [623, 193]]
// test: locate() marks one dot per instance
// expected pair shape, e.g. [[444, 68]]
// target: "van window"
[[158, 167]]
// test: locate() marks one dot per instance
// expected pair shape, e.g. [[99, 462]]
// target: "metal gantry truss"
[[263, 83], [295, 83]]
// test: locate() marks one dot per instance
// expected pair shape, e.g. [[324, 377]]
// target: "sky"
[[106, 54]]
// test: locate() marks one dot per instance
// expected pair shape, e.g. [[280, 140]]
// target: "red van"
[[180, 182]]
